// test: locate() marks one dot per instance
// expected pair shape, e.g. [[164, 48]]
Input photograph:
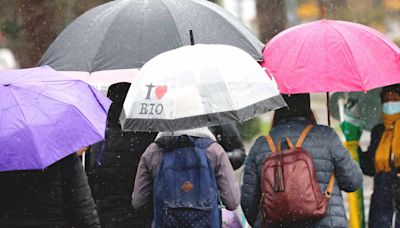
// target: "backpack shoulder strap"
[[303, 135], [271, 143], [329, 188], [289, 142], [203, 143]]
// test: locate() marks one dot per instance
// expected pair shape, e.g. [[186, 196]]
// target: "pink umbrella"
[[331, 56]]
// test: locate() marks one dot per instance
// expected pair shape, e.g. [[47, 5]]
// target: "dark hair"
[[391, 88], [298, 106], [117, 93], [310, 117]]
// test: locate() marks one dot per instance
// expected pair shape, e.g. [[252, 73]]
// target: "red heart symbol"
[[160, 91]]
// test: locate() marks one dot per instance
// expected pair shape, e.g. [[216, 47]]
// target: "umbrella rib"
[[301, 48], [141, 34], [229, 92], [101, 44], [74, 81], [172, 16], [94, 95], [25, 124], [237, 27], [378, 34], [351, 54], [67, 104]]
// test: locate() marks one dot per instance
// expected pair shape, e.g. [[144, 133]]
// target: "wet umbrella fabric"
[[197, 86], [332, 56], [124, 34], [45, 116]]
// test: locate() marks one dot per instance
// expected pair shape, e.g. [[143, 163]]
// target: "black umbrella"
[[124, 34]]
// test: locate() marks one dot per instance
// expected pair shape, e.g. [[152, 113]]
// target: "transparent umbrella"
[[197, 86]]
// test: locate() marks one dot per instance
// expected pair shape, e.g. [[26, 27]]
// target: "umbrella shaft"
[[329, 110]]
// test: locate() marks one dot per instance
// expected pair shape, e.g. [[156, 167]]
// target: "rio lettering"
[[153, 108]]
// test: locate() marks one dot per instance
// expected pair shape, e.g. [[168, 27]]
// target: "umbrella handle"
[[191, 37]]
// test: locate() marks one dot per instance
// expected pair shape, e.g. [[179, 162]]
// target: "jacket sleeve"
[[251, 190], [143, 189], [367, 159], [347, 172], [228, 186], [80, 205]]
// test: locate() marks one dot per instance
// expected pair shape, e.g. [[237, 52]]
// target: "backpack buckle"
[[328, 194]]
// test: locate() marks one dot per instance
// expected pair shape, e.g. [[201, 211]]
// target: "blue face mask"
[[391, 107]]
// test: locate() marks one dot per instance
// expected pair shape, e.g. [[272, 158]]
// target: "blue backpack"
[[185, 191]]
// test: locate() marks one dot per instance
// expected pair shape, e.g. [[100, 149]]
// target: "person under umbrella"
[[45, 118], [114, 162], [382, 161], [185, 169], [116, 46], [58, 196], [333, 56], [328, 155], [110, 39], [150, 164], [112, 166]]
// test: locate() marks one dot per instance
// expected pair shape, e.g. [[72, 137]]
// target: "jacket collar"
[[295, 119]]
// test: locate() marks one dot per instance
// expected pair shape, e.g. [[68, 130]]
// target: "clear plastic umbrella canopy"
[[197, 86]]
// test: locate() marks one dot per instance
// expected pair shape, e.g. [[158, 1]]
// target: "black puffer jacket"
[[112, 181], [112, 168], [367, 159], [58, 196]]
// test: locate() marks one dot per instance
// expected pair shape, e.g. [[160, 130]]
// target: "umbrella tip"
[[191, 37]]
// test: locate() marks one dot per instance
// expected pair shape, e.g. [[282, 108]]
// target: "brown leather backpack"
[[290, 191]]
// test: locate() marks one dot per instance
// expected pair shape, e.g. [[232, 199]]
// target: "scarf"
[[390, 142]]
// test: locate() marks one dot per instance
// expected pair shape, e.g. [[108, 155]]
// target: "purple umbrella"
[[45, 116]]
